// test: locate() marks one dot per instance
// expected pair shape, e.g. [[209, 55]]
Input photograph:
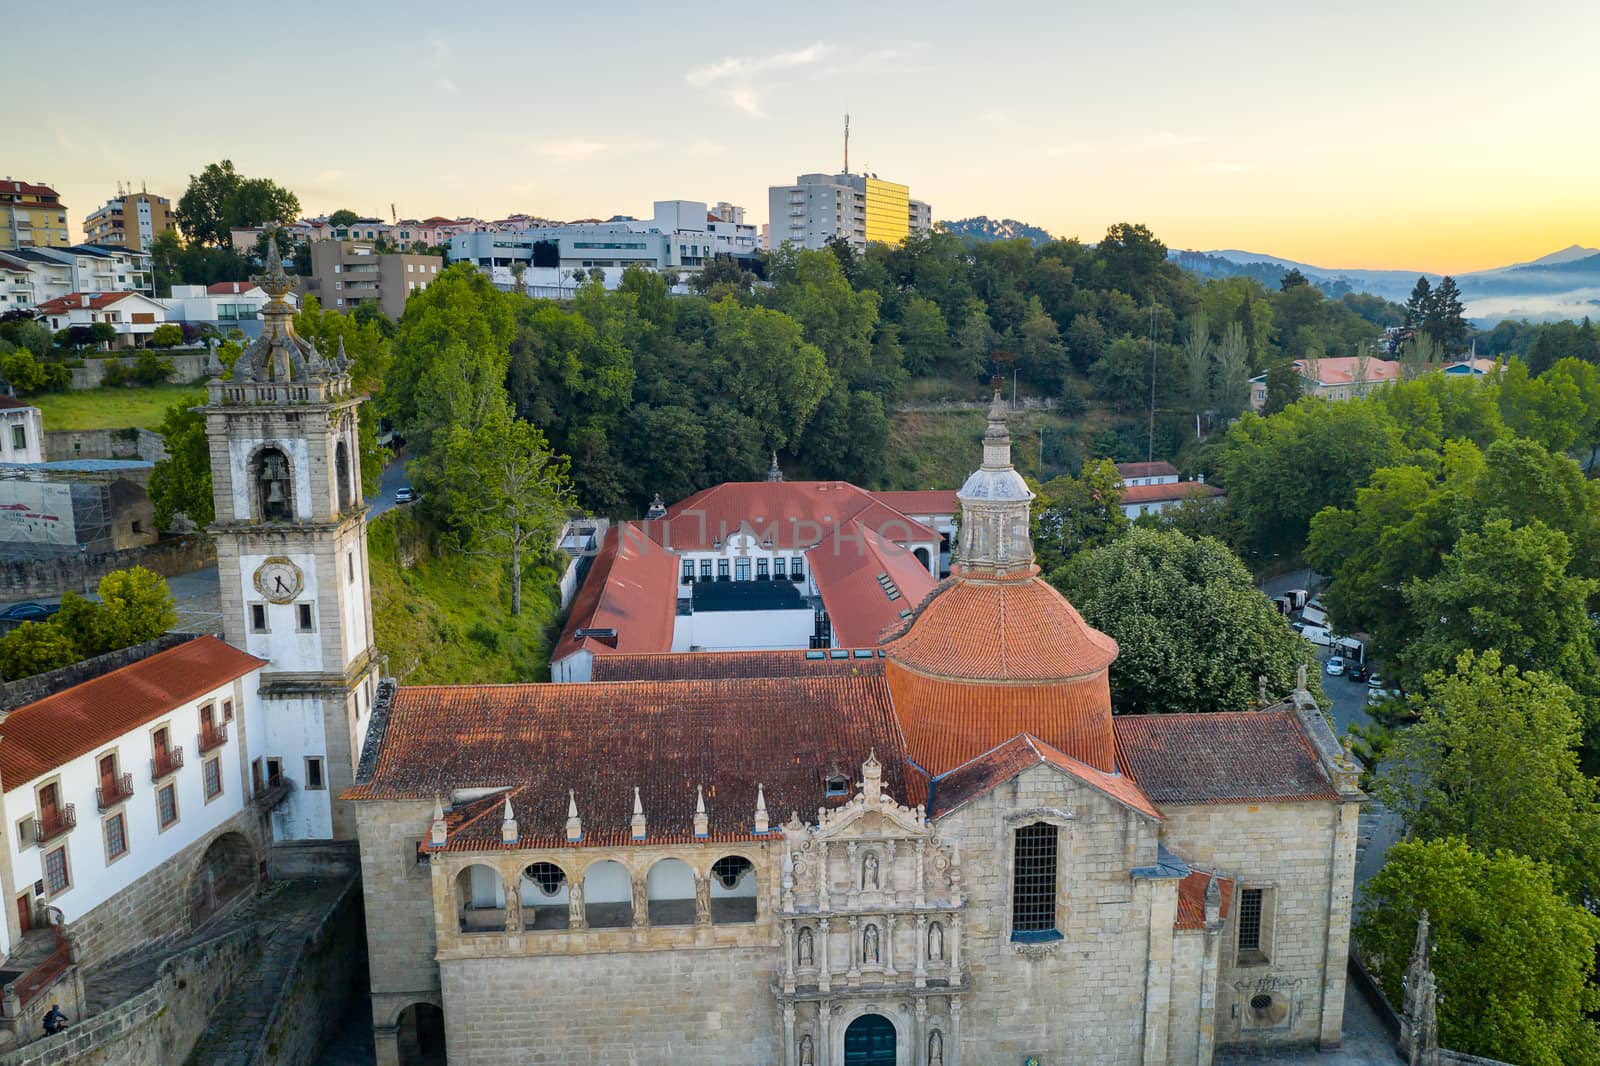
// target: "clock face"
[[279, 580]]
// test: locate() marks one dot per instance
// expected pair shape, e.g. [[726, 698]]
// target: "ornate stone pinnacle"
[[702, 824]]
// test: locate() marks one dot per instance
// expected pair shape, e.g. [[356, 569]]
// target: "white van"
[[1318, 635], [1314, 616]]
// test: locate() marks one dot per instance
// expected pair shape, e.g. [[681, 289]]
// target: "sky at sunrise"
[[1441, 136]]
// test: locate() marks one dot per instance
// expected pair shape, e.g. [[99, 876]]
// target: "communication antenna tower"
[[847, 142]]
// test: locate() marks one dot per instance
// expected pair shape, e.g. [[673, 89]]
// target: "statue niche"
[[274, 486], [805, 949]]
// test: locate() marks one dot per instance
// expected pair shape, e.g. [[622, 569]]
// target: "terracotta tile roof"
[[683, 666], [231, 288], [48, 733], [632, 588], [603, 739], [1192, 899], [867, 582], [948, 722], [1341, 369], [75, 302], [1157, 469], [27, 189], [1223, 757], [1001, 629], [1172, 490], [999, 765], [11, 403], [796, 514], [923, 501]]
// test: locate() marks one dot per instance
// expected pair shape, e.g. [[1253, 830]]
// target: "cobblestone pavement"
[[296, 911]]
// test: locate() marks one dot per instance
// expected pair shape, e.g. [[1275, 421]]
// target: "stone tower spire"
[[774, 472], [995, 504]]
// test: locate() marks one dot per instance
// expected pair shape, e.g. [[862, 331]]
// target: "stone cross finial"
[[761, 810], [638, 815], [702, 824], [437, 831], [508, 824], [872, 777], [1300, 678], [574, 823]]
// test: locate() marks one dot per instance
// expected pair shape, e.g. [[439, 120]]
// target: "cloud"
[[742, 81], [570, 151]]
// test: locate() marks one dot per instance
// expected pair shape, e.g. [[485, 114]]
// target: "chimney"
[[83, 299]]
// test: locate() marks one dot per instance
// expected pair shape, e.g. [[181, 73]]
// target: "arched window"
[[480, 899], [607, 896], [274, 486], [733, 890], [546, 899], [1033, 883], [670, 888], [341, 463]]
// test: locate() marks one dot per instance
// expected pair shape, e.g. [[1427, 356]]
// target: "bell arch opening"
[[272, 478]]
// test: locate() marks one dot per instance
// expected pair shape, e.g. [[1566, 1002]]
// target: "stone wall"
[[129, 443], [1287, 849], [23, 691], [288, 860], [188, 365], [155, 908], [399, 908], [311, 1001], [22, 579], [159, 1025]]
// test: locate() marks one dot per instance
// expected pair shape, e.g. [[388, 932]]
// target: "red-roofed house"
[[1339, 377], [132, 315], [1151, 488]]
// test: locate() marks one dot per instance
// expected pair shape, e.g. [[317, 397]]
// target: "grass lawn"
[[938, 449], [141, 408]]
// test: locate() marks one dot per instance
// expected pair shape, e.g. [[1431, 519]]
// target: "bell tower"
[[291, 536]]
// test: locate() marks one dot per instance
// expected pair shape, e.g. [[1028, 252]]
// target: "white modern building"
[[21, 432], [224, 304], [32, 276], [862, 208], [680, 235], [134, 316], [1154, 488]]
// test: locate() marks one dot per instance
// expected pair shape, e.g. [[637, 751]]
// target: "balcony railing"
[[274, 792], [113, 791], [57, 822], [166, 763], [212, 736]]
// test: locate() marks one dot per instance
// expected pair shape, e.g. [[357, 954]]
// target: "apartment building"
[[862, 208], [346, 274], [31, 216], [130, 220]]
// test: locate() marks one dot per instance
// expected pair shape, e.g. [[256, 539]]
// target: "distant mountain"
[[1563, 284], [984, 228]]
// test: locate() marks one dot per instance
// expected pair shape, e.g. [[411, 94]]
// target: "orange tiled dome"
[[989, 657]]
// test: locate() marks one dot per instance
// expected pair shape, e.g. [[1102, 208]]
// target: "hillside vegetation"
[[442, 617]]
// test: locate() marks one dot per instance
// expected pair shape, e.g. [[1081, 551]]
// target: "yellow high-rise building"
[[31, 216], [888, 211]]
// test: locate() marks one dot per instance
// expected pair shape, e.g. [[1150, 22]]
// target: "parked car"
[[1380, 695], [1374, 681], [29, 612], [1356, 672], [406, 494], [1335, 667]]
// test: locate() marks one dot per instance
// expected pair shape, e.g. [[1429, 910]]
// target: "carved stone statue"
[[936, 942], [869, 944], [806, 1056], [702, 899], [869, 871], [641, 903], [575, 917], [935, 1049], [805, 950]]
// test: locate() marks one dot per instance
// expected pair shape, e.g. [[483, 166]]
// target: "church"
[[941, 848]]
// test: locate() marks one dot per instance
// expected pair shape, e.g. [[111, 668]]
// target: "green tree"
[[181, 483], [343, 217], [924, 336], [754, 347], [1418, 304], [810, 287], [135, 607], [365, 337], [1514, 961], [1446, 320], [1232, 379], [1131, 259], [1197, 367], [1040, 354], [219, 199], [1074, 514], [506, 489], [1507, 588], [1550, 409], [167, 335], [33, 648], [1494, 760], [1194, 632], [1285, 385]]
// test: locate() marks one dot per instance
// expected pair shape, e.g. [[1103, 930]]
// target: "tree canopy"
[[219, 199]]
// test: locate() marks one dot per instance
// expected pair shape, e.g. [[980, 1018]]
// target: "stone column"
[[953, 945], [855, 949], [788, 1034], [888, 945], [855, 873], [788, 958], [824, 967], [919, 1032], [1162, 897], [888, 869], [921, 884], [1206, 1039], [920, 970], [824, 1033], [1341, 892], [386, 1042], [952, 1045], [822, 877]]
